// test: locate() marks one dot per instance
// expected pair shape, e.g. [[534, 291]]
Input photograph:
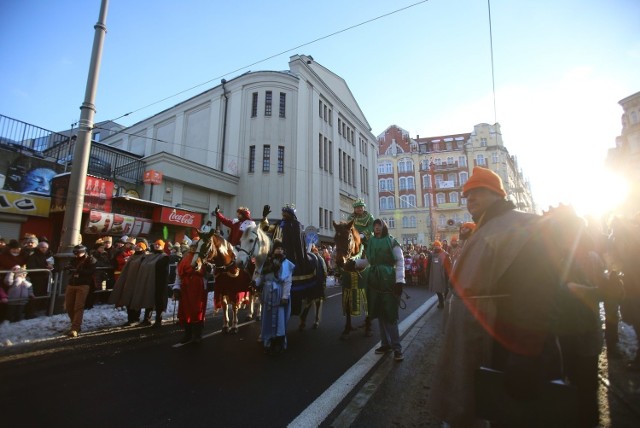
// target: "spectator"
[[3, 246], [122, 255], [40, 259], [500, 311], [438, 270], [81, 280], [13, 256], [18, 293], [154, 274], [104, 271]]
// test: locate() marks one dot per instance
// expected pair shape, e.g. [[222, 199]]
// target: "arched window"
[[382, 184], [385, 168], [412, 221], [411, 183], [453, 197], [390, 185], [405, 165], [441, 198], [464, 176], [391, 222], [426, 181]]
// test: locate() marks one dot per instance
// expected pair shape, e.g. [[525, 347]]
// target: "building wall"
[[194, 131]]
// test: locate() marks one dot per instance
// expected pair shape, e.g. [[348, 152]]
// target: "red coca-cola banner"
[[177, 217]]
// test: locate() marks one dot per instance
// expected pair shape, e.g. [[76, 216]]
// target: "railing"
[[104, 161]]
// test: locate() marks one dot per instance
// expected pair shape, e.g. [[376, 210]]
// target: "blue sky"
[[560, 67]]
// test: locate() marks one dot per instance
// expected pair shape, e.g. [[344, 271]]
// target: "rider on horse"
[[237, 225], [289, 231], [362, 220]]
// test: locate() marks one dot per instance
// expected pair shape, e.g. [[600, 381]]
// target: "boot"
[[188, 334], [197, 332], [158, 322], [146, 319]]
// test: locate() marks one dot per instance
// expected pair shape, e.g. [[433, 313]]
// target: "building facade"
[[420, 180], [263, 138], [625, 157]]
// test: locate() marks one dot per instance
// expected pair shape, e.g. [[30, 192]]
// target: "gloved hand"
[[266, 210], [176, 294], [362, 236], [397, 289], [216, 211], [284, 302], [350, 265], [523, 377]]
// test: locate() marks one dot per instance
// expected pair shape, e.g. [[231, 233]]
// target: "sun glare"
[[601, 193]]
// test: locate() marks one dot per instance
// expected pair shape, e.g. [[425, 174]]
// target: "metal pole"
[[77, 181]]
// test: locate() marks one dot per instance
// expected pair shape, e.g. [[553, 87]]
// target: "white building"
[[268, 137]]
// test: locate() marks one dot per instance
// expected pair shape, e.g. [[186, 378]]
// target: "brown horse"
[[354, 301], [231, 285]]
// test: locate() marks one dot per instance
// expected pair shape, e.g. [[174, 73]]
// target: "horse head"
[[219, 252], [347, 240], [254, 248]]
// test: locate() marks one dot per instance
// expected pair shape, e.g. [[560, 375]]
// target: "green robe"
[[363, 224], [381, 275]]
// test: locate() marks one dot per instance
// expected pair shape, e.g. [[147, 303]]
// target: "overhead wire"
[[273, 56]]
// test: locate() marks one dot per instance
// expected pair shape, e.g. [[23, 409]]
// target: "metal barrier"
[[50, 283]]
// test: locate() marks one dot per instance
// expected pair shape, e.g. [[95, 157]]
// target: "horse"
[[354, 301], [252, 252], [231, 285], [306, 290]]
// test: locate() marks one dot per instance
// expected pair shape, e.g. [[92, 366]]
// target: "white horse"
[[255, 246], [251, 254]]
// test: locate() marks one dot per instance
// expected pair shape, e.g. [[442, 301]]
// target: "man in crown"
[[362, 220], [290, 233]]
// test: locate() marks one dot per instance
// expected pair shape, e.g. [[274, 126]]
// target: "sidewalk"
[[396, 394]]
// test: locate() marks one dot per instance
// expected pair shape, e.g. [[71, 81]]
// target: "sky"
[[559, 68]]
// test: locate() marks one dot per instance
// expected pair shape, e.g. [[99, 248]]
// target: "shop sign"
[[98, 194], [178, 217], [152, 177], [20, 203]]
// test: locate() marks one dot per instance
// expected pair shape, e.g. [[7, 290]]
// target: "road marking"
[[322, 407]]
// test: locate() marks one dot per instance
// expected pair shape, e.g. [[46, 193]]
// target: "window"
[[494, 157], [426, 182], [281, 159], [453, 197], [96, 137], [252, 158], [283, 104], [254, 105], [330, 118], [441, 198], [385, 168], [382, 184], [330, 157], [391, 222], [450, 160], [267, 103], [325, 154], [405, 165], [462, 160], [320, 108], [480, 160], [320, 217], [266, 158], [320, 151], [464, 176], [325, 116], [483, 142]]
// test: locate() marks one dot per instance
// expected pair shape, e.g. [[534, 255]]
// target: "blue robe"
[[274, 289]]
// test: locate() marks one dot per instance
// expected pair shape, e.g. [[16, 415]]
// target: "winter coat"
[[500, 312], [193, 291], [438, 269], [18, 289], [236, 227], [383, 272], [82, 270]]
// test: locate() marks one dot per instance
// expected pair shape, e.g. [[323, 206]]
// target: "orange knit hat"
[[483, 177], [437, 244]]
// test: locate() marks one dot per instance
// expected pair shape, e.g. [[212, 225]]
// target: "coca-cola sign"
[[179, 217]]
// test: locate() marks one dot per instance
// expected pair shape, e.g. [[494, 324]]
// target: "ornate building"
[[625, 157], [420, 180]]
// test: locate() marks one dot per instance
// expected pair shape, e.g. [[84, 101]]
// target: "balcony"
[[55, 152]]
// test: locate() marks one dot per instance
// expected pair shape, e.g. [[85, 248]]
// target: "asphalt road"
[[137, 377]]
